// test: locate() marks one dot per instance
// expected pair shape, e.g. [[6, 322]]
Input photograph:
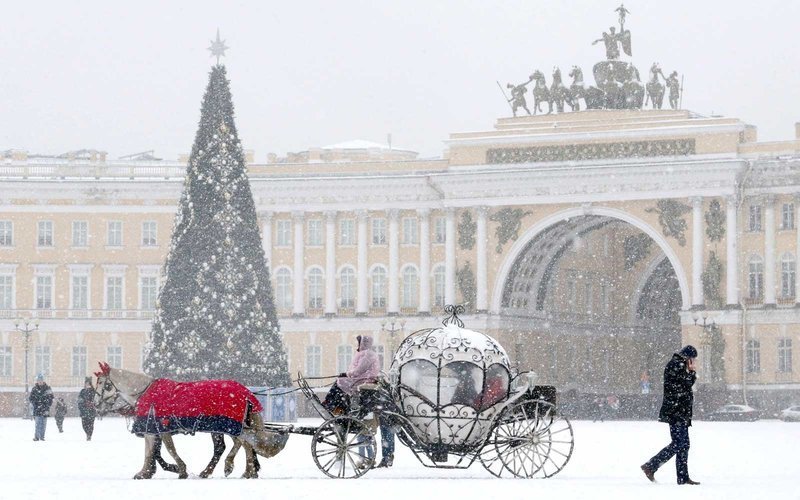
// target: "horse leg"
[[219, 448], [170, 445], [149, 466], [250, 471], [237, 443]]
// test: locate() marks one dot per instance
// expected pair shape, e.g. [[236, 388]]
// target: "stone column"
[[330, 263], [266, 238], [481, 240], [697, 252], [393, 308], [450, 256], [732, 257], [797, 250], [769, 251], [424, 307], [299, 296], [362, 308]]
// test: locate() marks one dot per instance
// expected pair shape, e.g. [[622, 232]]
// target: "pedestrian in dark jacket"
[[676, 410], [61, 412], [86, 408], [41, 397]]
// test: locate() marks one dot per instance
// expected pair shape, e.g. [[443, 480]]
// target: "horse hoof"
[[142, 475], [183, 475], [203, 475]]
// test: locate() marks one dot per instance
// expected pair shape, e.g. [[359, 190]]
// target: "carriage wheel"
[[343, 448], [532, 440]]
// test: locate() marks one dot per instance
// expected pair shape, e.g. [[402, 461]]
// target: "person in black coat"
[[86, 408], [41, 398], [676, 410]]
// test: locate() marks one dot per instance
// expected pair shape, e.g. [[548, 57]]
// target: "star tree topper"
[[218, 47]]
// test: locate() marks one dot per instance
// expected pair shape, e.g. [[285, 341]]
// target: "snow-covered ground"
[[733, 460]]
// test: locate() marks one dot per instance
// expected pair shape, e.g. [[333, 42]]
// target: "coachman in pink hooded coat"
[[365, 367]]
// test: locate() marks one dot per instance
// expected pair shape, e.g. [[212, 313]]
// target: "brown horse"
[[119, 391]]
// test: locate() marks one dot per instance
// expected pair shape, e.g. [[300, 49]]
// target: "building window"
[[148, 292], [347, 287], [439, 230], [114, 233], [378, 231], [283, 288], [6, 233], [79, 361], [344, 355], [41, 360], [755, 218], [315, 232], [787, 216], [787, 276], [756, 278], [410, 287], [6, 361], [588, 292], [784, 355], [379, 287], [753, 351], [6, 291], [149, 233], [114, 285], [44, 292], [313, 360], [283, 238], [44, 235], [347, 232], [410, 231], [315, 286], [80, 292], [438, 286], [80, 233], [572, 292], [114, 356]]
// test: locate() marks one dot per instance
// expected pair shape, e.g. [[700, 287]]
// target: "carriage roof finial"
[[453, 310]]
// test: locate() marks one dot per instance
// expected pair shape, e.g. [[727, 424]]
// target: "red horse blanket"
[[189, 407]]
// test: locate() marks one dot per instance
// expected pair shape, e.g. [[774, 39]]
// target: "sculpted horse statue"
[[655, 89], [558, 92], [163, 407], [577, 90], [634, 90], [540, 93]]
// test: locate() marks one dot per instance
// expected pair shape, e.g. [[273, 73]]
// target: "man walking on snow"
[[676, 410]]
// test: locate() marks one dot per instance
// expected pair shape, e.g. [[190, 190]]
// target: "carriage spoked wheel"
[[343, 448], [531, 440]]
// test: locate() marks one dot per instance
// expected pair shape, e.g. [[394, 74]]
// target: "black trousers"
[[88, 425], [679, 447]]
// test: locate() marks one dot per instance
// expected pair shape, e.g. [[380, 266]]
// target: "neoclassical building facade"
[[591, 244]]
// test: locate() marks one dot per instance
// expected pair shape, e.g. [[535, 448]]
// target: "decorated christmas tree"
[[215, 316]]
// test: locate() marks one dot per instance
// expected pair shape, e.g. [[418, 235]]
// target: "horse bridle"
[[107, 401]]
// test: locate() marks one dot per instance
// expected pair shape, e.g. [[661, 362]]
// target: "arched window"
[[379, 287], [787, 276], [315, 286], [410, 287], [756, 278], [347, 288], [753, 362], [438, 286], [283, 288]]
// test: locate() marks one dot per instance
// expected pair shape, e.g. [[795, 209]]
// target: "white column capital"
[[697, 201], [424, 212], [769, 199], [393, 213], [330, 215], [266, 215], [298, 215], [362, 215], [732, 199]]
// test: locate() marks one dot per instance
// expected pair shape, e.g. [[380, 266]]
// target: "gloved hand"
[[343, 374]]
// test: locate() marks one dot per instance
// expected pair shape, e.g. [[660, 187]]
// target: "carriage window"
[[460, 383], [420, 375], [495, 388]]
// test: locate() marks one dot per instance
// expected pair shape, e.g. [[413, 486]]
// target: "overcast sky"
[[128, 76]]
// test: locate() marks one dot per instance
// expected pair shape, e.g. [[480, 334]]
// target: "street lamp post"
[[26, 327], [392, 327], [707, 325]]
